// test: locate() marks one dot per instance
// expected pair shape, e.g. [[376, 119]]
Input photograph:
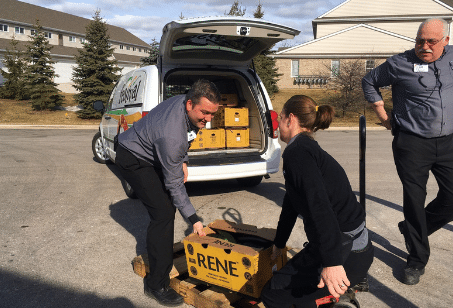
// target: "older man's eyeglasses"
[[430, 42]]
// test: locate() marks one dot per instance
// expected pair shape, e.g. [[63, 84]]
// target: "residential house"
[[368, 31], [66, 33]]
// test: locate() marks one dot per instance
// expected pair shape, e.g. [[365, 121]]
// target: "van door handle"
[[107, 117]]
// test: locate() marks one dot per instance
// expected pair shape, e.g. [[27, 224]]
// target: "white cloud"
[[151, 23], [79, 9]]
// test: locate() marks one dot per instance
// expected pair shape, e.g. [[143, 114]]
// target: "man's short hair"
[[443, 21], [203, 88]]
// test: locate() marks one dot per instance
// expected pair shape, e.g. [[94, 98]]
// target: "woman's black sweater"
[[318, 189]]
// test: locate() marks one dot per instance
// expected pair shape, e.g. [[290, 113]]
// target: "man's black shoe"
[[412, 275], [165, 296], [403, 230]]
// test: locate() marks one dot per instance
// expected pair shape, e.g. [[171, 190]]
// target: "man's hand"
[[334, 277], [276, 252], [379, 109], [186, 172], [198, 228]]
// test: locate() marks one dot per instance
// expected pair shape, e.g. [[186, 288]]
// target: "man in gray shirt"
[[422, 124], [152, 158]]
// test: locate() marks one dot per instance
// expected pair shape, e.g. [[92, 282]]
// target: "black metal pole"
[[362, 148]]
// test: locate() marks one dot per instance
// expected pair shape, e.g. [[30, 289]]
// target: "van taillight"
[[144, 113], [274, 117]]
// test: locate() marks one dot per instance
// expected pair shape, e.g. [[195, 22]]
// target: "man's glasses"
[[430, 42]]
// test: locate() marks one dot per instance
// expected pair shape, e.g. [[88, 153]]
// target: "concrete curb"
[[33, 126], [82, 126]]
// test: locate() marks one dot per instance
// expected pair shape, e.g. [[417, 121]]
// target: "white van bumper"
[[235, 171]]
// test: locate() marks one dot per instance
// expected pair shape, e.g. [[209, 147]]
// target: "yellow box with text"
[[233, 256]]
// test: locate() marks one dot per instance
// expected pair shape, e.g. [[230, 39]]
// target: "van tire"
[[128, 189], [250, 181], [97, 146]]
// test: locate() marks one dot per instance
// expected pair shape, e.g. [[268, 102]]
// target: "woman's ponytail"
[[324, 117]]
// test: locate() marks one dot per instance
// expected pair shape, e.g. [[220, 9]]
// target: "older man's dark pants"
[[147, 183], [414, 158]]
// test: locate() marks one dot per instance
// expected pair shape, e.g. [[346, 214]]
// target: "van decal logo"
[[130, 89], [119, 112]]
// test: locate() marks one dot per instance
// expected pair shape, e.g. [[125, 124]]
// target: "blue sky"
[[146, 18]]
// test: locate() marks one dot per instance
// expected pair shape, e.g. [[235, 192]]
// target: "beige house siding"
[[356, 8], [316, 69], [406, 28], [358, 29], [360, 40], [63, 39], [67, 33]]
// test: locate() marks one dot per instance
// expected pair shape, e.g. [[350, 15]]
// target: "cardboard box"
[[237, 138], [238, 267], [209, 139], [229, 100], [231, 117]]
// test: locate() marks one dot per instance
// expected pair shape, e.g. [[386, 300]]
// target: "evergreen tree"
[[95, 73], [40, 73], [267, 71], [15, 64], [236, 10], [153, 54], [265, 66], [259, 13]]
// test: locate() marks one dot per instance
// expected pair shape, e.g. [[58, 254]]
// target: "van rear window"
[[130, 90], [211, 42]]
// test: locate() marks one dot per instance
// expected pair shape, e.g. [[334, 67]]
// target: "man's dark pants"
[[414, 158], [147, 183]]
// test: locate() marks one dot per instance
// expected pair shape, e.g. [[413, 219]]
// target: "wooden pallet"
[[195, 292]]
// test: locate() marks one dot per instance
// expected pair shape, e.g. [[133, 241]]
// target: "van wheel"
[[128, 189], [97, 145], [250, 182]]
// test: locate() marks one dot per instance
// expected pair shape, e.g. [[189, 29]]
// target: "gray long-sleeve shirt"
[[422, 92], [161, 138]]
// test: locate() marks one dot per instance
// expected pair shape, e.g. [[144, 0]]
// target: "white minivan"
[[218, 49]]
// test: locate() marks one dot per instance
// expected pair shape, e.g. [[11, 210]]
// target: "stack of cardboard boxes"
[[228, 129]]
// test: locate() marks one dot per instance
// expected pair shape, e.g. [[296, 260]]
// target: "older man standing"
[[422, 123]]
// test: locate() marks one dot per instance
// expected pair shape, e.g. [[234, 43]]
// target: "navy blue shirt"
[[422, 92]]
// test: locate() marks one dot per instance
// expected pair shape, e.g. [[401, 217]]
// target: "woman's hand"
[[198, 228], [276, 252], [334, 277]]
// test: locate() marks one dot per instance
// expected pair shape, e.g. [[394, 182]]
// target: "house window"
[[139, 50], [370, 64], [128, 48], [48, 34], [294, 68], [33, 32], [121, 47], [4, 28], [19, 30], [134, 49], [83, 40], [72, 38], [334, 68]]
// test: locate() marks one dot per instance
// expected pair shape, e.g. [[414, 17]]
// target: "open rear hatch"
[[232, 41]]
